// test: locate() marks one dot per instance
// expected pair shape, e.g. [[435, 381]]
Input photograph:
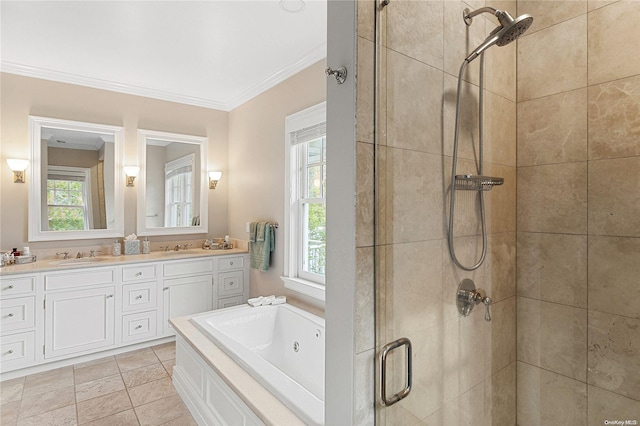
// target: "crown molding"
[[63, 77], [313, 56]]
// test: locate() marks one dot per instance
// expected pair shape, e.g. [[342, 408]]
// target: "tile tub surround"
[[97, 393]]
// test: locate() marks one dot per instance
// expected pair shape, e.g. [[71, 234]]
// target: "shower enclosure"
[[562, 109]]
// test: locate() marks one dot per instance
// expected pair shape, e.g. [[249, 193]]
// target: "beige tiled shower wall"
[[578, 213], [464, 368]]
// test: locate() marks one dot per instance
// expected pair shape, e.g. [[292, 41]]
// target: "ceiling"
[[215, 54]]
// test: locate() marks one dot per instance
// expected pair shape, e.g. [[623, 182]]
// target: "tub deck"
[[269, 409]]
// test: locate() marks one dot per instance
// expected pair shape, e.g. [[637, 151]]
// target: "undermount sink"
[[81, 261]]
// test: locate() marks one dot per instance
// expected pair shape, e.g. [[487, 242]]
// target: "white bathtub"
[[280, 346]]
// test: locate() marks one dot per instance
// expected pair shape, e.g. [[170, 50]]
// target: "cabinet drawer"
[[188, 267], [230, 283], [228, 302], [17, 286], [139, 326], [17, 350], [79, 278], [17, 314], [138, 297], [231, 262], [138, 273]]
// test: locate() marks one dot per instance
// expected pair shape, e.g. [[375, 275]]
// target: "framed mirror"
[[172, 189], [75, 190]]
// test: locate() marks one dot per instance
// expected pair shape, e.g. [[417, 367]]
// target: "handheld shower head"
[[509, 30]]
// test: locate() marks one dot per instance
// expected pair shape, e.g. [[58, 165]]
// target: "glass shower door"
[[463, 367]]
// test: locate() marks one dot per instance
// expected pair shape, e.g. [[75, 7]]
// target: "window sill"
[[308, 288]]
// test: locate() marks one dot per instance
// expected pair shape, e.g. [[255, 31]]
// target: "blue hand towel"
[[260, 249]]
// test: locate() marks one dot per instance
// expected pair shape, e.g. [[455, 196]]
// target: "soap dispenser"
[[146, 246], [117, 249]]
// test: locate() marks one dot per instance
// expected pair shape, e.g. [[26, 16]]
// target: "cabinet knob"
[[10, 287], [10, 315], [109, 296], [138, 327], [139, 296], [10, 351], [231, 263], [138, 274], [231, 283], [165, 289]]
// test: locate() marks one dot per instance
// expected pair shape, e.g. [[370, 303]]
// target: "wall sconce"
[[18, 167], [131, 172], [214, 177]]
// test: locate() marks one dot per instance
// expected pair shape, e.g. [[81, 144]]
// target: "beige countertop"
[[87, 262]]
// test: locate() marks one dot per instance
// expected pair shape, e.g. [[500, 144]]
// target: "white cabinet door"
[[79, 321], [186, 296]]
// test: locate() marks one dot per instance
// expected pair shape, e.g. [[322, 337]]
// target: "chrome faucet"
[[66, 255], [80, 255], [177, 247], [165, 248], [92, 252], [186, 245]]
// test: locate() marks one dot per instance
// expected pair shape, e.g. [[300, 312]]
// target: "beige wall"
[[578, 218], [256, 163], [24, 96]]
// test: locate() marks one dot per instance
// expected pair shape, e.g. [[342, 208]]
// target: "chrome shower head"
[[509, 30]]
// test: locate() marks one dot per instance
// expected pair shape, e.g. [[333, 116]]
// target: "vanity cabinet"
[[139, 307], [18, 321], [79, 311], [231, 281], [188, 288], [57, 314], [79, 321]]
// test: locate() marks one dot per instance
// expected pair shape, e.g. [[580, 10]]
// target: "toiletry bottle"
[[146, 246], [26, 251], [117, 250]]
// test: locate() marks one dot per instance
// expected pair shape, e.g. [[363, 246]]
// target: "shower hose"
[[452, 201]]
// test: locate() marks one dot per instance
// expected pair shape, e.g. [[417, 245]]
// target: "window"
[[68, 199], [305, 210], [178, 187]]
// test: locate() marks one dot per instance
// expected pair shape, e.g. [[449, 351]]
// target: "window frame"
[[170, 167], [74, 172], [309, 284]]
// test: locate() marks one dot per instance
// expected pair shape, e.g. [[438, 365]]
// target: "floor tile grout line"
[[119, 373]]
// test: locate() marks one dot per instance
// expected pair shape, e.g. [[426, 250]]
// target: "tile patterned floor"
[[133, 388]]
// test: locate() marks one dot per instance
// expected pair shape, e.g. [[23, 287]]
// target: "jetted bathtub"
[[281, 346]]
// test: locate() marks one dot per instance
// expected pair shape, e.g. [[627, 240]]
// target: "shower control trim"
[[467, 297]]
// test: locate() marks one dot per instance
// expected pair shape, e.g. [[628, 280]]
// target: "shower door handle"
[[386, 349]]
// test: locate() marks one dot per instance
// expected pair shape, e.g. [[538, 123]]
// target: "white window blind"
[[308, 133]]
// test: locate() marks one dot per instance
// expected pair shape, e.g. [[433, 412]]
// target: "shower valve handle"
[[468, 296], [487, 306]]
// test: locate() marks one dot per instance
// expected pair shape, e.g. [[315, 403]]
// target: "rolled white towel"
[[279, 300], [256, 301], [268, 300]]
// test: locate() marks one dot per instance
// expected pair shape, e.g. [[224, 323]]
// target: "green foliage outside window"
[[66, 205]]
